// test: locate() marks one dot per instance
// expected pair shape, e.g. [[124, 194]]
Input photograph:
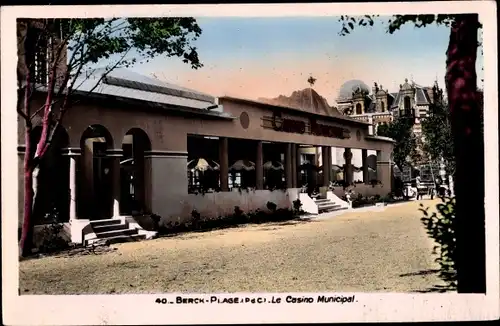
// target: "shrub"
[[52, 241], [297, 206], [283, 214], [196, 219], [156, 221], [440, 226], [271, 206], [238, 216]]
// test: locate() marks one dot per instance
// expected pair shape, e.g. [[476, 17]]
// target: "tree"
[[405, 148], [436, 129], [468, 142], [53, 54]]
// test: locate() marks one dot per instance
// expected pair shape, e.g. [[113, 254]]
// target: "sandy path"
[[366, 251]]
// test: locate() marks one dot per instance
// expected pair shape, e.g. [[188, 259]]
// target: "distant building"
[[381, 106]]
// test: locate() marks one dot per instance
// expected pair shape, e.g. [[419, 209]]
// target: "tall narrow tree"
[[466, 126]]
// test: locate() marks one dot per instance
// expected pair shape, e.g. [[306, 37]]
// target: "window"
[[407, 106], [382, 106], [234, 180], [38, 45], [358, 109], [194, 181]]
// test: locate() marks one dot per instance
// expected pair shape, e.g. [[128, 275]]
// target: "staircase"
[[326, 205], [112, 231]]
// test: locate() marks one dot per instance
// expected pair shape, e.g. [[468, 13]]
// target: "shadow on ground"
[[435, 288], [262, 226]]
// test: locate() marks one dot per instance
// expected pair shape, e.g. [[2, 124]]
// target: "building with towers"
[[381, 106]]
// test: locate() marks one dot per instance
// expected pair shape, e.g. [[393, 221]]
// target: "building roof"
[[307, 100], [126, 84], [421, 96], [350, 86], [278, 106]]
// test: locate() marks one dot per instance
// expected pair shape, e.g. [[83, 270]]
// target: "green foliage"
[[200, 224], [297, 205], [436, 129], [271, 206], [405, 148], [395, 23], [383, 129], [440, 226], [91, 40], [52, 241], [119, 42]]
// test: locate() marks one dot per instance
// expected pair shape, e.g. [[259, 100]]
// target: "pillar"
[[148, 181], [348, 166], [330, 163], [288, 165], [297, 166], [384, 169], [294, 165], [364, 159], [73, 157], [115, 156], [259, 169], [224, 163], [325, 158], [380, 171]]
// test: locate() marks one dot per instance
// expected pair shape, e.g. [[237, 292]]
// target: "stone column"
[[288, 165], [364, 159], [148, 184], [348, 166], [259, 170], [297, 165], [115, 156], [384, 170], [224, 163], [329, 163], [294, 165], [74, 156], [326, 165]]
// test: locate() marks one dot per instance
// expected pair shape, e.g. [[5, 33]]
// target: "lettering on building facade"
[[312, 127]]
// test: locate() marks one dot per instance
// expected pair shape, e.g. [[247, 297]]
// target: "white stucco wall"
[[171, 201]]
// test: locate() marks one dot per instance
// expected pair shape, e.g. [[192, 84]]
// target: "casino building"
[[137, 146]]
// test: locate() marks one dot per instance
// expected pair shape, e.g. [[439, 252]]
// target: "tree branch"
[[64, 106]]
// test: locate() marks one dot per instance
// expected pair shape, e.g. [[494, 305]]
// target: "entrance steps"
[[326, 205], [112, 231]]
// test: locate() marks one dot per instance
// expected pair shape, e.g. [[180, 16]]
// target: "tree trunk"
[[461, 84], [26, 241]]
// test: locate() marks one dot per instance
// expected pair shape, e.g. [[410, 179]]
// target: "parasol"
[[243, 165], [309, 166], [273, 165], [200, 164]]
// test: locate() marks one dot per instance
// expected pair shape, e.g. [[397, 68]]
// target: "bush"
[[238, 217], [271, 206], [52, 241], [196, 219], [440, 226], [297, 206], [156, 221]]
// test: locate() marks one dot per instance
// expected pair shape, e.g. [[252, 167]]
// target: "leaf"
[[351, 25]]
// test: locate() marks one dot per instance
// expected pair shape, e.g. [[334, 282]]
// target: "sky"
[[267, 57]]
